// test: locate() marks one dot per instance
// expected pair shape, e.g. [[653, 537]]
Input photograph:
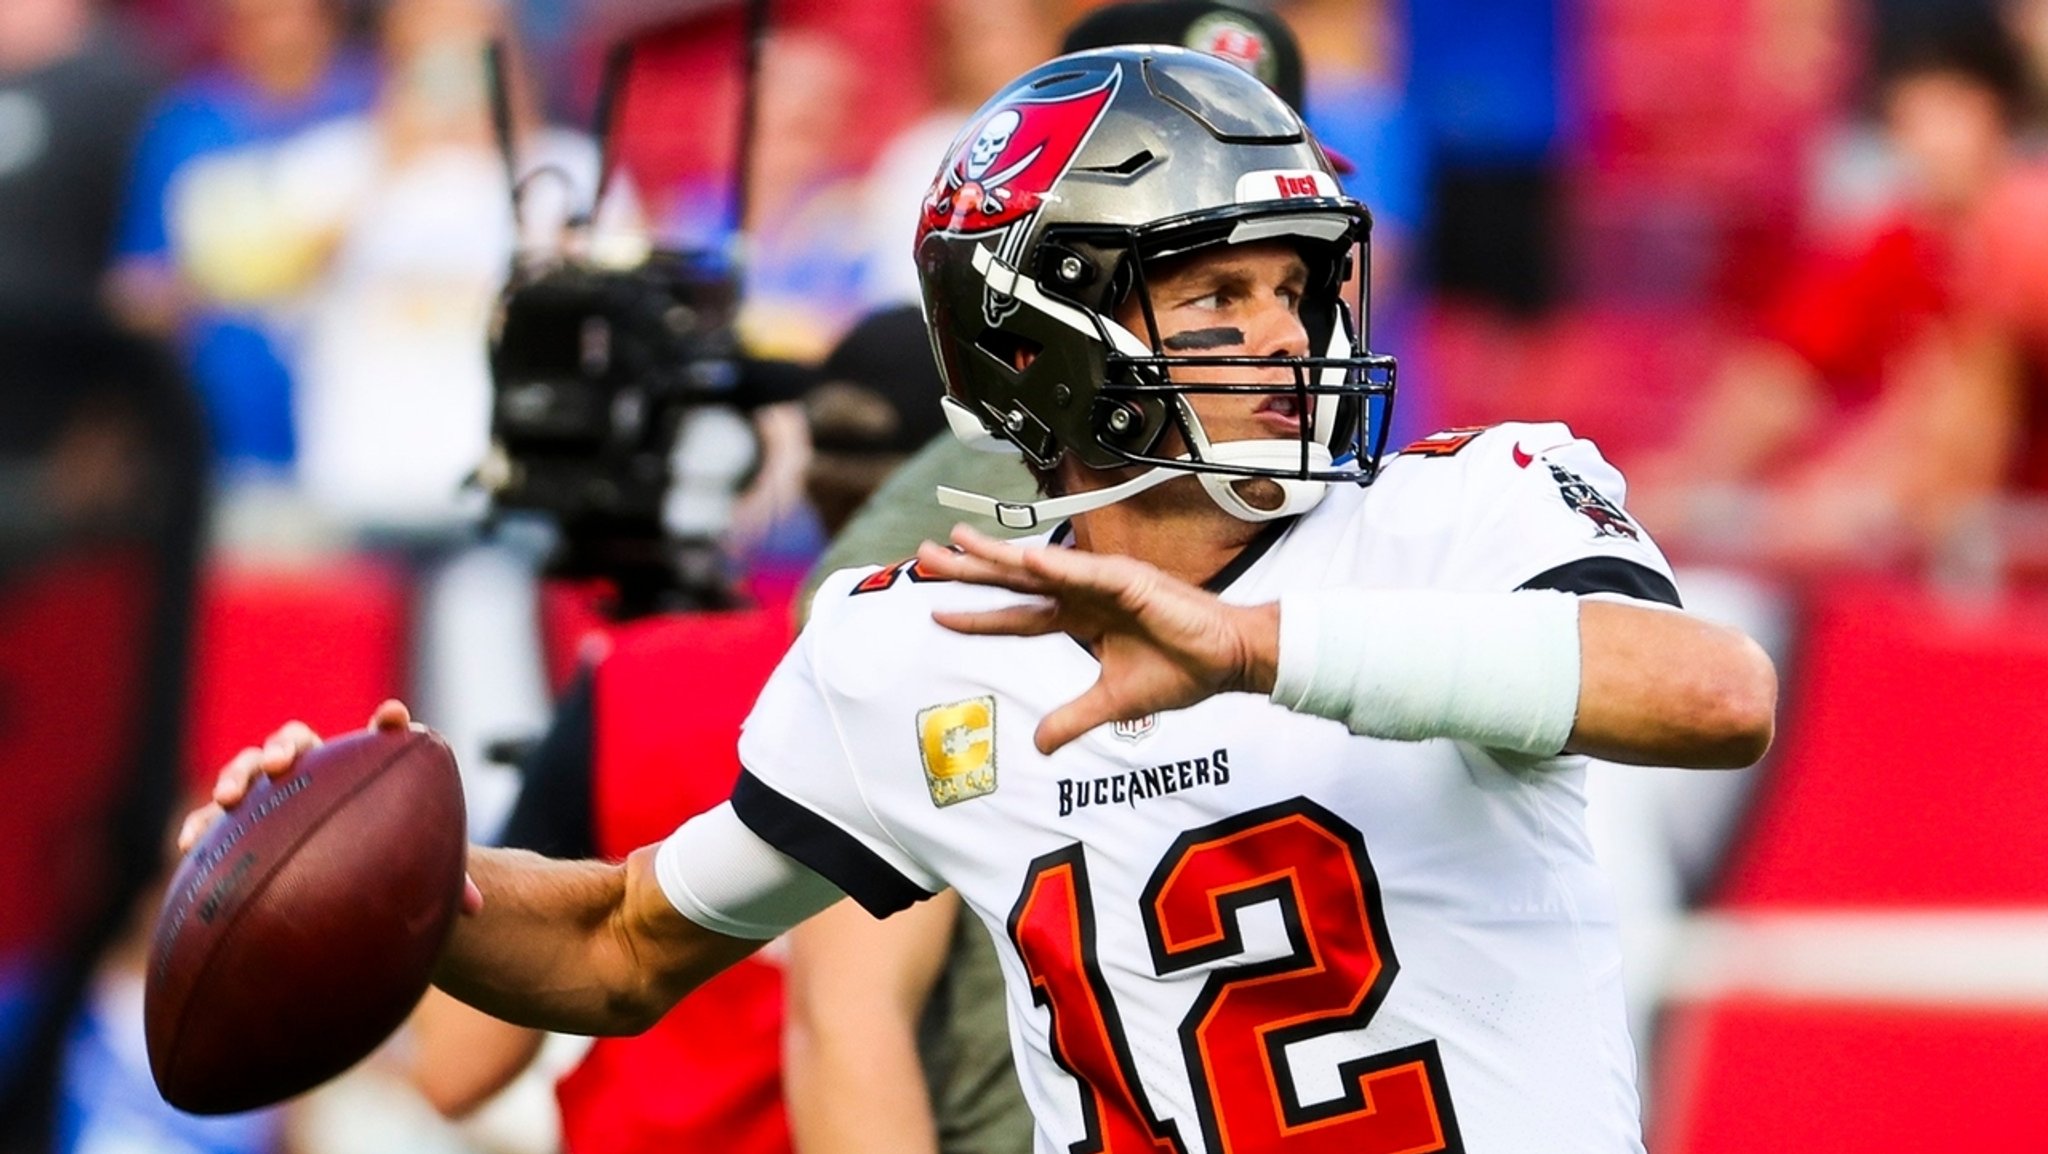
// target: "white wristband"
[[1499, 670]]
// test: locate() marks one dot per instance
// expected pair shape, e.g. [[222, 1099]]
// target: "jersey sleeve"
[[1547, 511], [800, 789]]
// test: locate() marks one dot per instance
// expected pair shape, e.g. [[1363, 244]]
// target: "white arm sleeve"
[[721, 875]]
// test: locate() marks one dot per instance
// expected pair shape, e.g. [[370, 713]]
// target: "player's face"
[[1240, 300]]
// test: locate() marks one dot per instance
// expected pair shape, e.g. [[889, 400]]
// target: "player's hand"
[[1163, 643], [274, 758]]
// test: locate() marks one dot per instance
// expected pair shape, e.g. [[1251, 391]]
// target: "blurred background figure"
[[643, 739], [406, 214], [102, 472], [1883, 397], [280, 66], [391, 229], [73, 91], [976, 45]]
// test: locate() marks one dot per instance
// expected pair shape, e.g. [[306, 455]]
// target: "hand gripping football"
[[303, 928]]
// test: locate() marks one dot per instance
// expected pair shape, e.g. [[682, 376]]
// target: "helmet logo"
[[995, 137], [1001, 172], [998, 176]]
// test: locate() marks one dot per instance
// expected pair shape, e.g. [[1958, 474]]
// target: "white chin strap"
[[1296, 497], [1032, 514]]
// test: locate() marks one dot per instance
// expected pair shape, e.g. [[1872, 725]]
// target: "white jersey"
[[1235, 928]]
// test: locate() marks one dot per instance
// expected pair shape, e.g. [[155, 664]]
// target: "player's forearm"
[[1534, 672], [857, 987], [576, 947], [854, 1092], [461, 1058], [542, 951]]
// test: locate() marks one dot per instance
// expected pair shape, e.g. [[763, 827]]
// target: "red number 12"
[[1334, 978]]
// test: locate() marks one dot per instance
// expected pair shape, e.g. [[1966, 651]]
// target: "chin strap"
[[1297, 497], [1032, 514]]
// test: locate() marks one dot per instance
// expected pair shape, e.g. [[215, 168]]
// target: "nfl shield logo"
[[1137, 730]]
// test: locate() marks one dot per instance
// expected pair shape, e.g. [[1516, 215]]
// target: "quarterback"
[[1262, 762]]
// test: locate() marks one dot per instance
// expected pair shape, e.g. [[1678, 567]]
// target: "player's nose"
[[1279, 330]]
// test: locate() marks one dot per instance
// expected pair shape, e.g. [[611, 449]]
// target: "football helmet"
[[1050, 207]]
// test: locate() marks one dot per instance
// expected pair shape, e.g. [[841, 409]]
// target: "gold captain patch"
[[958, 745]]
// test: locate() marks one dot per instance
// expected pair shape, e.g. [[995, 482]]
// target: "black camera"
[[593, 370]]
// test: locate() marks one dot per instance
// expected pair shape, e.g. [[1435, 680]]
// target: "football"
[[303, 928]]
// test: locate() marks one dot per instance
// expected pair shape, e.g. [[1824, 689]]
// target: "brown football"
[[300, 932]]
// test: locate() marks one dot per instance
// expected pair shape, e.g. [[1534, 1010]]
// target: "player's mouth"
[[1280, 413]]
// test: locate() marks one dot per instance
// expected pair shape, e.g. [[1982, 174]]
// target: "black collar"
[[1268, 536]]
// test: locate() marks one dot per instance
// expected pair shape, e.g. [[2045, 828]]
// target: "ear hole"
[[1016, 352]]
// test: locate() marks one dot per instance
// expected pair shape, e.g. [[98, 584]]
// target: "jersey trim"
[[1608, 575], [838, 856], [1269, 536], [1250, 554]]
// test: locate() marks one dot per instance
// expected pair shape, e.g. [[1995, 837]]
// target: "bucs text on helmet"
[[1052, 204]]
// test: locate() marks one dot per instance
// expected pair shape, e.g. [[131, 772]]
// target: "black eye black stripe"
[[1194, 340]]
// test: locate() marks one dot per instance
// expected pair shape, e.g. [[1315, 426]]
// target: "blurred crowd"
[[1786, 262]]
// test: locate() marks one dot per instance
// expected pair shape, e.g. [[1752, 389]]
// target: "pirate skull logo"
[[1002, 170], [995, 137]]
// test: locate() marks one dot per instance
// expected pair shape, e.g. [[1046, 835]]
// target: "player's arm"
[[587, 947], [460, 1057], [1662, 687], [857, 986], [1536, 672], [578, 947]]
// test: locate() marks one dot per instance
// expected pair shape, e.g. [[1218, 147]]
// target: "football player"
[[1262, 763]]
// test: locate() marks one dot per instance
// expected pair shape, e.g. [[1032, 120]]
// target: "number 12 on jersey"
[[1313, 863]]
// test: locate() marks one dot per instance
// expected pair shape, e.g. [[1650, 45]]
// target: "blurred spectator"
[[72, 96], [802, 255], [975, 45], [101, 478], [1491, 83], [407, 220], [282, 67], [1881, 395]]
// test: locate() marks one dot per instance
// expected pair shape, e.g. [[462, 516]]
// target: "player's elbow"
[[1735, 708]]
